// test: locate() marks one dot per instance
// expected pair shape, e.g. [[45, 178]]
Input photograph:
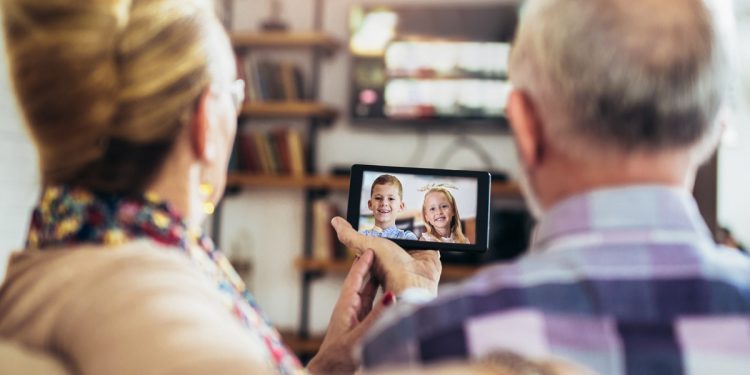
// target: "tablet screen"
[[421, 205], [428, 208]]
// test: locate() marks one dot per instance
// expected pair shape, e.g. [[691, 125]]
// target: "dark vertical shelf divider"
[[311, 194]]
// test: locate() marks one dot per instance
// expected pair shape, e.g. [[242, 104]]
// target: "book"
[[269, 153], [264, 163], [268, 80], [288, 83], [248, 154], [324, 236], [281, 143], [296, 153]]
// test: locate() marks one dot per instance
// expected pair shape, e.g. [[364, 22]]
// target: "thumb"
[[360, 330], [346, 234]]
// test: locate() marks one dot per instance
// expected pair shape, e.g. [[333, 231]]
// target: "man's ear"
[[200, 127], [526, 127]]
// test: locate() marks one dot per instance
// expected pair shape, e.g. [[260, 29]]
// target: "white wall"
[[18, 171], [734, 177]]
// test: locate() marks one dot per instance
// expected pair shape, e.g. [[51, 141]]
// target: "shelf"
[[287, 110], [506, 189], [291, 182], [238, 179], [301, 346], [284, 40], [450, 272]]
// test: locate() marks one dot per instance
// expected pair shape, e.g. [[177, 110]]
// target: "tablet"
[[420, 208]]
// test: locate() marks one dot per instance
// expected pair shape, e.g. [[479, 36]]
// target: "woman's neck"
[[179, 184]]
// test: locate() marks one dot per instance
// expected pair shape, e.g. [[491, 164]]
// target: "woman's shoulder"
[[145, 295], [43, 286], [75, 262]]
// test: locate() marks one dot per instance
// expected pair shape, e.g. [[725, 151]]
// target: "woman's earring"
[[207, 191]]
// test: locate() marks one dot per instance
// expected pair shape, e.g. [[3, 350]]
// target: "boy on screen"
[[386, 201]]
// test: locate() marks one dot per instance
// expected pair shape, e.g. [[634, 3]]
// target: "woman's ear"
[[527, 128], [200, 126], [203, 127]]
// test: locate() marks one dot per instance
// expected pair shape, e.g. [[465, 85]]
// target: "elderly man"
[[615, 107]]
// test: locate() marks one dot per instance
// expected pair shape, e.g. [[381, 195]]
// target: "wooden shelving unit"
[[316, 115], [298, 110], [450, 272], [238, 180], [284, 40]]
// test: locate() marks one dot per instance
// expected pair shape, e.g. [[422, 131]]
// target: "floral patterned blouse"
[[68, 216]]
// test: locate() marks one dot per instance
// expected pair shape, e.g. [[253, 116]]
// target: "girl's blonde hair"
[[457, 231], [105, 86]]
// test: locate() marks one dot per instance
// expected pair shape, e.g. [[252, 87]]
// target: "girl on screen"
[[440, 214]]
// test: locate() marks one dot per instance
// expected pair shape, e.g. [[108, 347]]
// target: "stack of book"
[[273, 81], [275, 152], [326, 246]]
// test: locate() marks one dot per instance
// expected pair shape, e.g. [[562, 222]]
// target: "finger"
[[347, 235], [367, 296], [355, 279], [388, 299]]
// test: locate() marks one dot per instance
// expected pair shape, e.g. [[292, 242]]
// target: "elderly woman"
[[132, 105]]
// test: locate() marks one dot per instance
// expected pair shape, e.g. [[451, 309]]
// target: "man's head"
[[386, 200], [604, 84]]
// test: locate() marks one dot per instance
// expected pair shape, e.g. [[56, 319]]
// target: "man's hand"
[[352, 316], [395, 268]]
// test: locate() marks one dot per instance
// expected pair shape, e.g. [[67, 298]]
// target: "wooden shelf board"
[[292, 182], [508, 188], [300, 345], [450, 272], [284, 39], [287, 110], [238, 179]]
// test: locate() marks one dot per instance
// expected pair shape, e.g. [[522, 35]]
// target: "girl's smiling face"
[[439, 212]]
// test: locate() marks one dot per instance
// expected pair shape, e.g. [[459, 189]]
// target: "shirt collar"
[[391, 229], [636, 207]]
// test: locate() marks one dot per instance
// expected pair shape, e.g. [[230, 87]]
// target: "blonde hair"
[[387, 179], [106, 86], [457, 231]]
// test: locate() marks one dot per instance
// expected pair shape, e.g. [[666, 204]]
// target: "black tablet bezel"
[[483, 205]]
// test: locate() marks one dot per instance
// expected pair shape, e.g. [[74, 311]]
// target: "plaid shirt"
[[624, 281]]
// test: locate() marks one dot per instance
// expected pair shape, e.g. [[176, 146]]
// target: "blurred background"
[[331, 83]]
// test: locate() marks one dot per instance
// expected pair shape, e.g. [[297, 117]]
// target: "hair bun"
[[63, 60], [105, 85]]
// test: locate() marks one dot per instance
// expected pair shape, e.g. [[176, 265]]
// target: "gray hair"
[[622, 76]]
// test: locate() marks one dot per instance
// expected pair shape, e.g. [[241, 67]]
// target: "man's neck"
[[566, 178]]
